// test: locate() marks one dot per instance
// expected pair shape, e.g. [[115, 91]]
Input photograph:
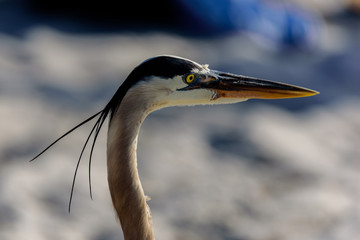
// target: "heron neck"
[[125, 187]]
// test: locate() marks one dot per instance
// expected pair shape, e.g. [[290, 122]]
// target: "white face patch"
[[161, 92]]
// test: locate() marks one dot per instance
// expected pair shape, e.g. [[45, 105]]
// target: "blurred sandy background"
[[259, 170]]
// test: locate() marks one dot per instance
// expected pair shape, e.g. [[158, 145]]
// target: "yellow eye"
[[190, 78]]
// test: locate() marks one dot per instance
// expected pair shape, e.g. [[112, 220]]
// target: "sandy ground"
[[258, 170]]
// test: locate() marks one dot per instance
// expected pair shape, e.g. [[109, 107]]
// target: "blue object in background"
[[282, 23]]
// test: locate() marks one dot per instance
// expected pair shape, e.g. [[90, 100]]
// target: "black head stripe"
[[164, 67]]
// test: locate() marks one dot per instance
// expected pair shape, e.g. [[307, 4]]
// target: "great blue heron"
[[159, 82]]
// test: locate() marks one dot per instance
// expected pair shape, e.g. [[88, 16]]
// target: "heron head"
[[173, 81]]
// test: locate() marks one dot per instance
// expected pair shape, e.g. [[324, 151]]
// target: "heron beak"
[[227, 85]]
